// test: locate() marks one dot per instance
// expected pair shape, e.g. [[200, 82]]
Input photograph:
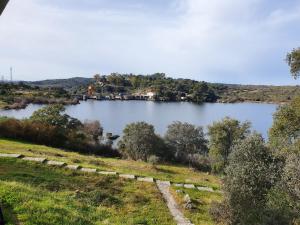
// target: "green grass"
[[174, 173], [201, 200], [33, 193]]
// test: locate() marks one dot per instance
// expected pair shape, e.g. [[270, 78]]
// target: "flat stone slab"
[[146, 179], [205, 189], [164, 182], [73, 167], [178, 185], [11, 155], [42, 160], [56, 163], [190, 186], [127, 176], [88, 170], [107, 173]]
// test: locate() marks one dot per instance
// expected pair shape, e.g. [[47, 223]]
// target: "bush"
[[139, 141], [153, 159]]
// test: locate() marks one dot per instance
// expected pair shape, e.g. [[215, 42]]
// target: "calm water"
[[114, 115]]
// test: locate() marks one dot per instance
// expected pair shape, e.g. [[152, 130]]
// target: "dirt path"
[[172, 205]]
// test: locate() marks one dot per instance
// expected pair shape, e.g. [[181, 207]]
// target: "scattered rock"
[[188, 204]]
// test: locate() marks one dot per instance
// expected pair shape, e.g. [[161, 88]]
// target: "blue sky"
[[230, 41]]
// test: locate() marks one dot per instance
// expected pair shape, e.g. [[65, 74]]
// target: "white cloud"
[[222, 41]]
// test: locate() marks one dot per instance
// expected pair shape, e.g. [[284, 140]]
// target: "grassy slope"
[[38, 194], [201, 201], [165, 172]]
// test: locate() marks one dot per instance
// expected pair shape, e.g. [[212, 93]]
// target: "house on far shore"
[[151, 95]]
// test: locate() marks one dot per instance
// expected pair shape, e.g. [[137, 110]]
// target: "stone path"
[[174, 208]]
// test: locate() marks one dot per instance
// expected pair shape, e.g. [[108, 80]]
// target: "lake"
[[114, 115]]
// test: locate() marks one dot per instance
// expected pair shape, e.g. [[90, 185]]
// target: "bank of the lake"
[[115, 115]]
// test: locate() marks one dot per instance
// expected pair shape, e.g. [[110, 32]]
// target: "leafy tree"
[[51, 115], [139, 141], [285, 130], [293, 60], [93, 129], [186, 139], [222, 136], [250, 175]]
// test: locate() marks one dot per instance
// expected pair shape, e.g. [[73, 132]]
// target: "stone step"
[[205, 189], [56, 163], [107, 173], [10, 155], [127, 176], [88, 170], [42, 160], [189, 186], [146, 179], [73, 167]]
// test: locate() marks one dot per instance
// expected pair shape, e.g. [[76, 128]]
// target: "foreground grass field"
[[173, 173], [33, 193]]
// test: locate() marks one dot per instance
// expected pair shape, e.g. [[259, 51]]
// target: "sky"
[[223, 41]]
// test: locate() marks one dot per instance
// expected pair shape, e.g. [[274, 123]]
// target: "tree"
[[250, 175], [186, 139], [293, 60], [51, 115], [222, 136], [285, 130], [93, 129], [139, 141]]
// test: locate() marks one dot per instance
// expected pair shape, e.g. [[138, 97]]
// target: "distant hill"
[[64, 83]]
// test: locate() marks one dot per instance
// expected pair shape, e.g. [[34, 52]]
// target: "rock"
[[188, 204], [73, 167], [146, 179], [88, 170], [10, 155], [190, 186], [56, 163], [178, 185], [179, 191], [127, 176], [107, 173], [42, 160]]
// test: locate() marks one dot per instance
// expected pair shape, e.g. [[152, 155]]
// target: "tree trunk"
[[1, 218]]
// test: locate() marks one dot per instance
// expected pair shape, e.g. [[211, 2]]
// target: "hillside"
[[105, 199], [64, 83], [170, 89]]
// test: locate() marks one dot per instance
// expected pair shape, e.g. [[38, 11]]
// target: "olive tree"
[[250, 174], [185, 140], [139, 141], [293, 60], [222, 136], [285, 130]]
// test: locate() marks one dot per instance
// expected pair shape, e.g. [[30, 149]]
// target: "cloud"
[[221, 41]]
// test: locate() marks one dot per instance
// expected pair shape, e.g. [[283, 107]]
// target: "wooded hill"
[[171, 89]]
